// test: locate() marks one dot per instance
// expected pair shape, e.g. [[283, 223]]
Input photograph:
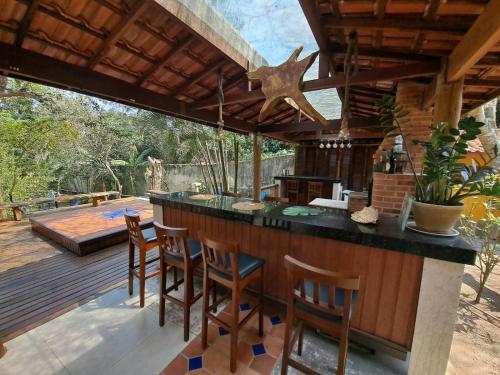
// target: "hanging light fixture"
[[349, 144], [321, 145], [335, 145], [342, 144], [328, 145]]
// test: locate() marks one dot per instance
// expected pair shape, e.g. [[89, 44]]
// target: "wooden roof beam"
[[174, 51], [31, 66], [388, 53], [482, 82], [304, 126], [365, 76], [26, 22], [481, 37], [445, 25], [135, 12], [206, 71]]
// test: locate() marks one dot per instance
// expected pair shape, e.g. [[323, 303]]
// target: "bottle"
[[392, 163]]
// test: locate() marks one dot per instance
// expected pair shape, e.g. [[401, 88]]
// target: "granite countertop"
[[331, 223], [308, 178]]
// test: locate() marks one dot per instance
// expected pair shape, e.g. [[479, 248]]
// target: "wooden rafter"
[[135, 12], [26, 22], [483, 82], [333, 125], [387, 53], [207, 71], [447, 25], [174, 51], [32, 66], [480, 38], [367, 76]]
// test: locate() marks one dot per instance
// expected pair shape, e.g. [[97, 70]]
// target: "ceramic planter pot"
[[436, 218]]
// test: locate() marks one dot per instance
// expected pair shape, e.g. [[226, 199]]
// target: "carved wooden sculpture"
[[285, 82]]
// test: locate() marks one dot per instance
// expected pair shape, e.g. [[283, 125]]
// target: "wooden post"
[[257, 162], [448, 100]]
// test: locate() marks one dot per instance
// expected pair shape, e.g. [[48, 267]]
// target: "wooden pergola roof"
[[403, 34], [162, 56], [156, 55]]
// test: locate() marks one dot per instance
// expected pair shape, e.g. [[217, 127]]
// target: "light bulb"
[[328, 145], [341, 144], [335, 145], [321, 145], [349, 145]]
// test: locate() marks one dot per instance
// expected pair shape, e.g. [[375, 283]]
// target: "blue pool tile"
[[195, 363], [222, 331], [244, 307], [258, 349], [275, 320]]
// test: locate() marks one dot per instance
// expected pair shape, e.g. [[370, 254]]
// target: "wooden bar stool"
[[226, 265], [177, 250], [293, 191], [314, 190], [321, 299], [145, 240]]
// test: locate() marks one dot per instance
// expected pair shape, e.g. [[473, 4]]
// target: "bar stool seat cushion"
[[194, 247], [246, 265], [323, 298], [149, 235]]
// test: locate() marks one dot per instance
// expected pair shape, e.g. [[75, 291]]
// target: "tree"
[[135, 160]]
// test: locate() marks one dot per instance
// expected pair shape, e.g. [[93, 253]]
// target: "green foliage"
[[446, 179], [486, 233]]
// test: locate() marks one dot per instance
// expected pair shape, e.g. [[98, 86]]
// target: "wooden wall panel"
[[390, 281]]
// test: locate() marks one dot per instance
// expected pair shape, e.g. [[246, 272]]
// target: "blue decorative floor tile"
[[275, 320], [258, 349], [195, 363], [222, 331], [244, 307]]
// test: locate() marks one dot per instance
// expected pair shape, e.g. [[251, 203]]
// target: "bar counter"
[[409, 281]]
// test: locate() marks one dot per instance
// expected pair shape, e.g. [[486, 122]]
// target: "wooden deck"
[[40, 280]]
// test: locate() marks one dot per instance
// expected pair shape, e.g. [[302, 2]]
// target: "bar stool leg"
[[342, 354], [131, 257], [175, 278], [234, 328], [261, 305], [142, 276], [301, 339], [163, 287], [188, 295], [204, 318], [214, 295], [286, 343]]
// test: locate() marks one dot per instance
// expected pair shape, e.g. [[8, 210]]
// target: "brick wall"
[[409, 95], [389, 190]]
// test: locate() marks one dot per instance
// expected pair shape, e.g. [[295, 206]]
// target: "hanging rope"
[[350, 70], [220, 97]]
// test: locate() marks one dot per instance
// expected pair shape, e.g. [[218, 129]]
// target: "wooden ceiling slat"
[[354, 123], [174, 51], [199, 77], [449, 25], [138, 8], [26, 22], [481, 37]]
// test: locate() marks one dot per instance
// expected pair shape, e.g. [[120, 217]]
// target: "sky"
[[275, 28]]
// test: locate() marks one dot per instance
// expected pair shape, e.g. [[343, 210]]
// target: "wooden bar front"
[[390, 280]]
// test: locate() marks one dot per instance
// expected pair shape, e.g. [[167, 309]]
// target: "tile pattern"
[[256, 355]]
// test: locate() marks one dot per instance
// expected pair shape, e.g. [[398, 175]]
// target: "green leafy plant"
[[486, 232], [135, 160], [444, 179]]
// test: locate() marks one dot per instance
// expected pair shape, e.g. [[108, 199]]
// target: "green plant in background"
[[445, 179], [135, 161], [486, 231]]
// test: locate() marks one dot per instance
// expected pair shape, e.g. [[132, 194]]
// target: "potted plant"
[[445, 180]]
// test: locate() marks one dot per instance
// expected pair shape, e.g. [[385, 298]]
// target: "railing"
[[271, 190]]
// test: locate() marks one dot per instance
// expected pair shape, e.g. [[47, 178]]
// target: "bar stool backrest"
[[221, 256], [134, 228], [299, 273], [172, 241]]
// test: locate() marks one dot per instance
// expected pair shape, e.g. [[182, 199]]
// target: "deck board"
[[40, 280]]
